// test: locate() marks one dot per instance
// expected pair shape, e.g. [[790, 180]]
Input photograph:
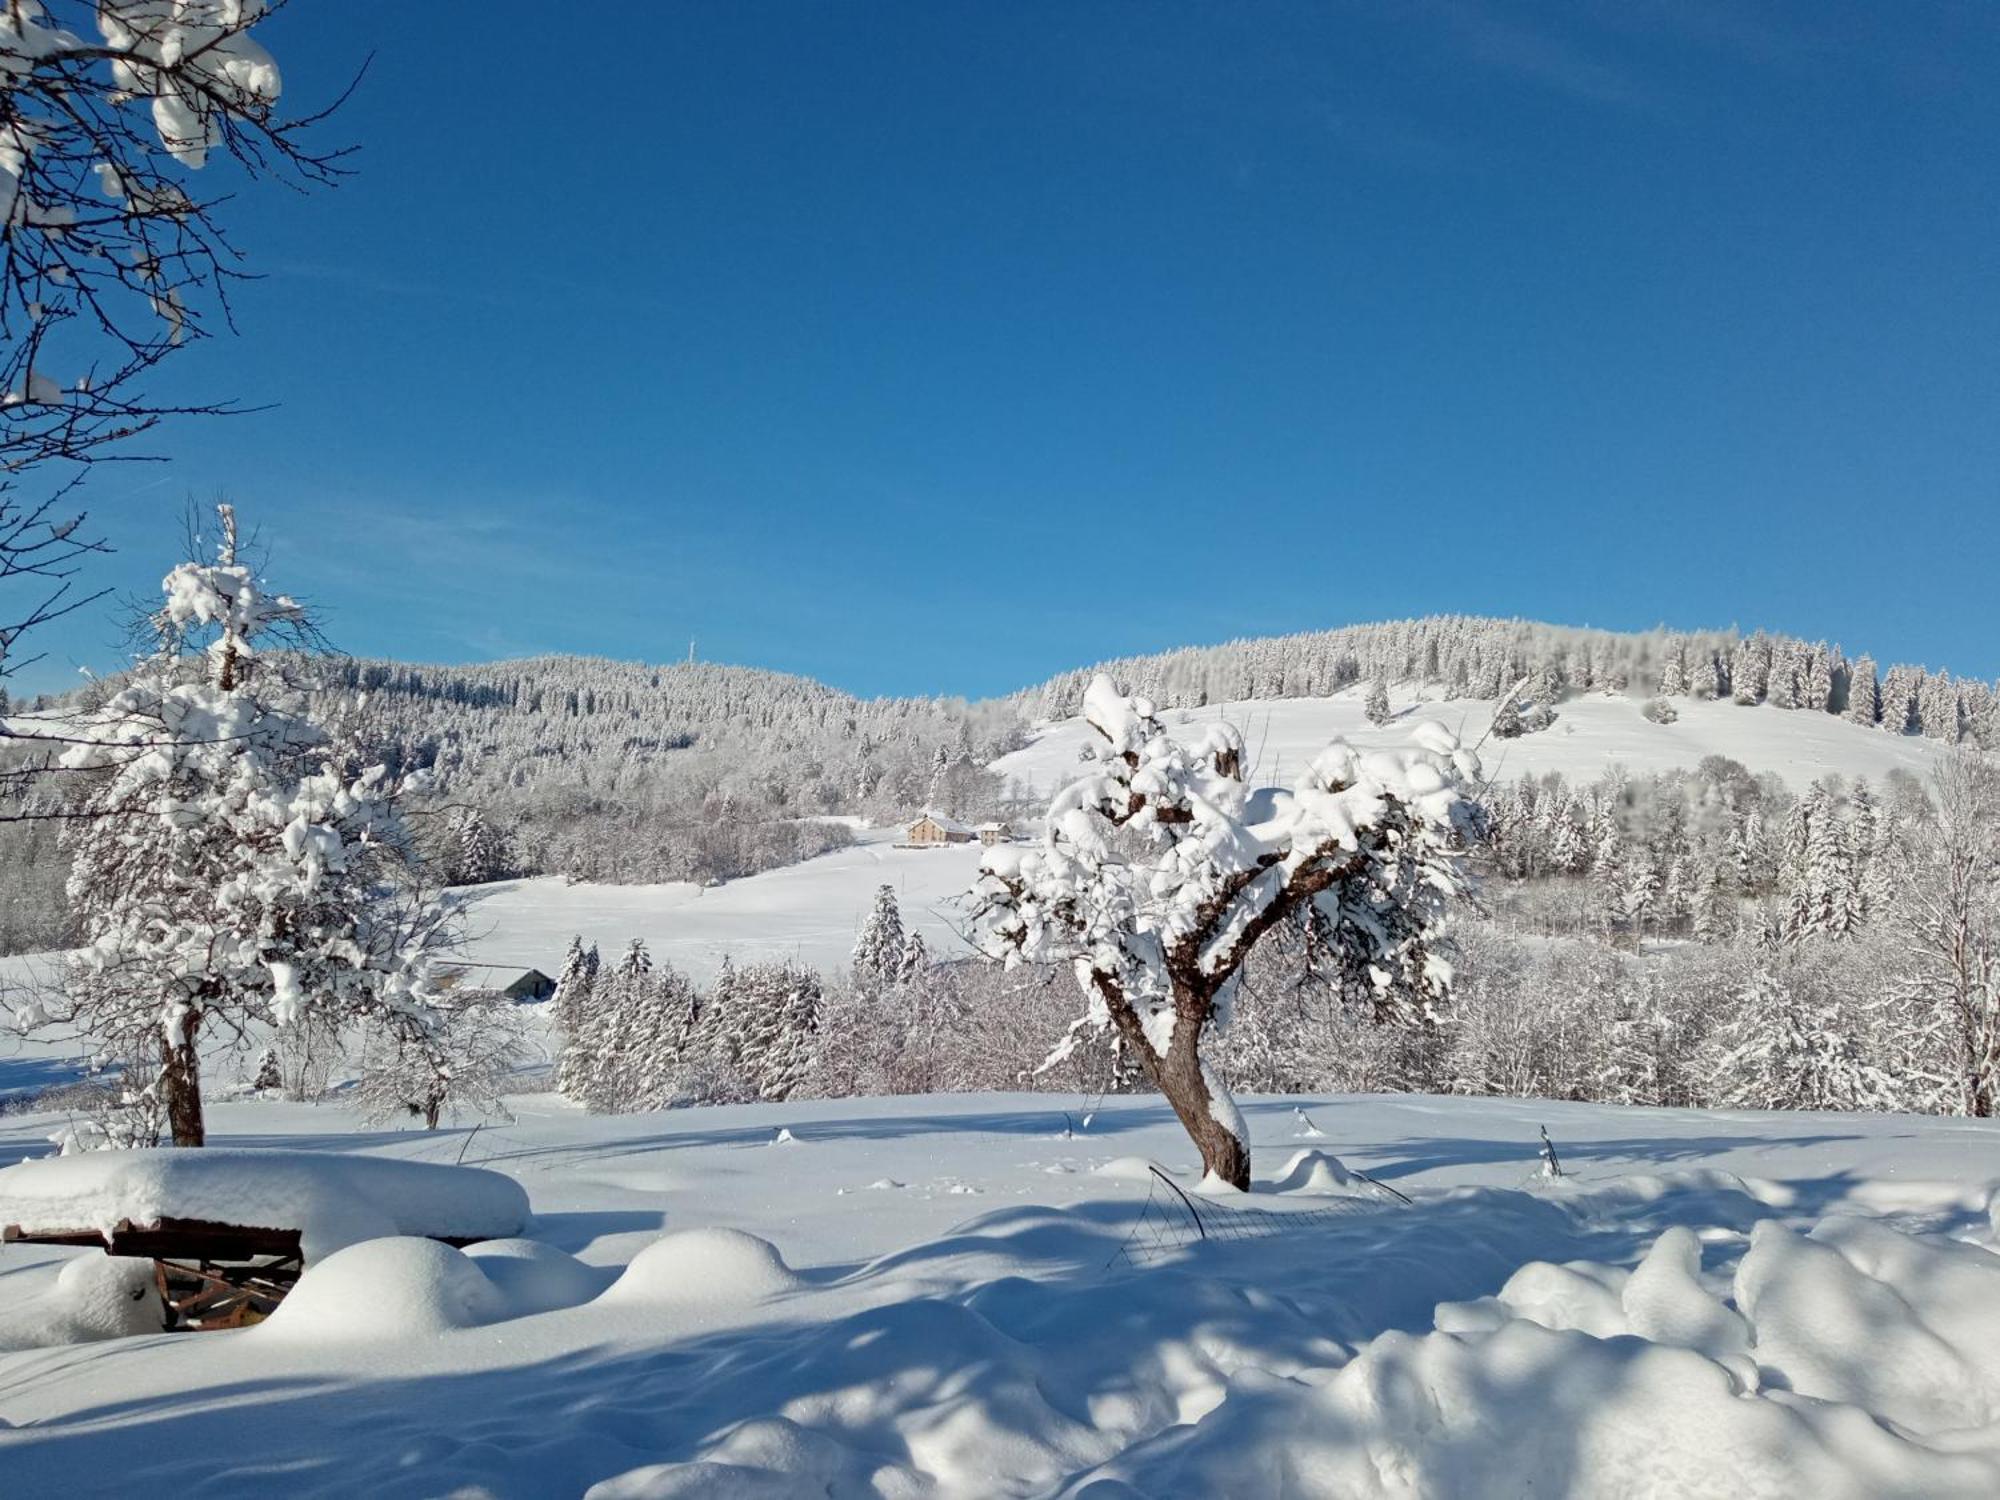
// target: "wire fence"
[[1172, 1221]]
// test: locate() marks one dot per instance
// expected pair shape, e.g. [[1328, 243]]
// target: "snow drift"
[[333, 1199]]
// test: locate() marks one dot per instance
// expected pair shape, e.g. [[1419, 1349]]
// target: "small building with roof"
[[932, 830]]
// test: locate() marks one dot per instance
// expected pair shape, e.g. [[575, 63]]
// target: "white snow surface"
[[809, 912], [334, 1199], [1590, 735], [1712, 1304]]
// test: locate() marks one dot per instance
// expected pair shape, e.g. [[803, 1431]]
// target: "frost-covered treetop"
[[223, 595]]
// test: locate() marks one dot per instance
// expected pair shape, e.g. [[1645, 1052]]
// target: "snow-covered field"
[[809, 912], [984, 1295], [1590, 735], [953, 1316]]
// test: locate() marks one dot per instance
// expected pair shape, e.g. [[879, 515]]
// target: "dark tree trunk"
[[180, 1086], [1178, 1076]]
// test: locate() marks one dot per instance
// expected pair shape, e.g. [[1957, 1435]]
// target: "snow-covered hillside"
[[809, 912], [963, 1301], [812, 910], [1590, 735]]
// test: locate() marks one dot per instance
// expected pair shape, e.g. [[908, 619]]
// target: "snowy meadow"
[[985, 1295]]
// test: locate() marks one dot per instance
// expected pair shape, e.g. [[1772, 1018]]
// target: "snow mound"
[[704, 1266], [1840, 1334], [532, 1277], [1131, 1168], [1448, 1418], [334, 1200], [767, 1459], [395, 1288], [94, 1297], [1845, 1350], [1318, 1172]]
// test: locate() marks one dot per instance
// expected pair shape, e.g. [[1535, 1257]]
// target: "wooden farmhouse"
[[994, 833], [932, 829]]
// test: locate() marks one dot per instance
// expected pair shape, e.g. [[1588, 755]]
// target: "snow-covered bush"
[[1161, 872], [458, 1057], [1660, 711]]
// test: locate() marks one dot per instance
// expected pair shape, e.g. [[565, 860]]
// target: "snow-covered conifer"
[[476, 856], [229, 864], [878, 949], [268, 1078], [572, 988], [916, 960], [1673, 674], [1864, 697], [1377, 707], [1784, 1044], [780, 1005]]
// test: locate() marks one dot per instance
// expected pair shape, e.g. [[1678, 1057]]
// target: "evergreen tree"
[[1750, 670], [779, 1005], [1673, 674], [1816, 678], [916, 961], [269, 1077], [1864, 698], [477, 857], [1782, 1046], [1899, 700], [878, 949], [572, 995], [1377, 708], [605, 1057], [1705, 679], [231, 865]]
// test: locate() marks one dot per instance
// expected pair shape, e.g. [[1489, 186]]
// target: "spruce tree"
[[878, 949], [1864, 697], [572, 988], [232, 865], [1377, 708], [916, 962], [1673, 674]]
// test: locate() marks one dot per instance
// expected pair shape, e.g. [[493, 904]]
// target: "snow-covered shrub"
[[458, 1061], [1660, 711]]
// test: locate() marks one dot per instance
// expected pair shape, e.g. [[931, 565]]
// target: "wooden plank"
[[172, 1239]]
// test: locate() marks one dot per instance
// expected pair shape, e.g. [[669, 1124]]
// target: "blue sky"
[[937, 347]]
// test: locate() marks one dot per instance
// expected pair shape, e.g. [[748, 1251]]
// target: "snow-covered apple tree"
[[233, 869], [113, 113], [1160, 872]]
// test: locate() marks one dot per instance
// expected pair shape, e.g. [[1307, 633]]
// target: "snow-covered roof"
[[949, 825], [330, 1198], [990, 828]]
